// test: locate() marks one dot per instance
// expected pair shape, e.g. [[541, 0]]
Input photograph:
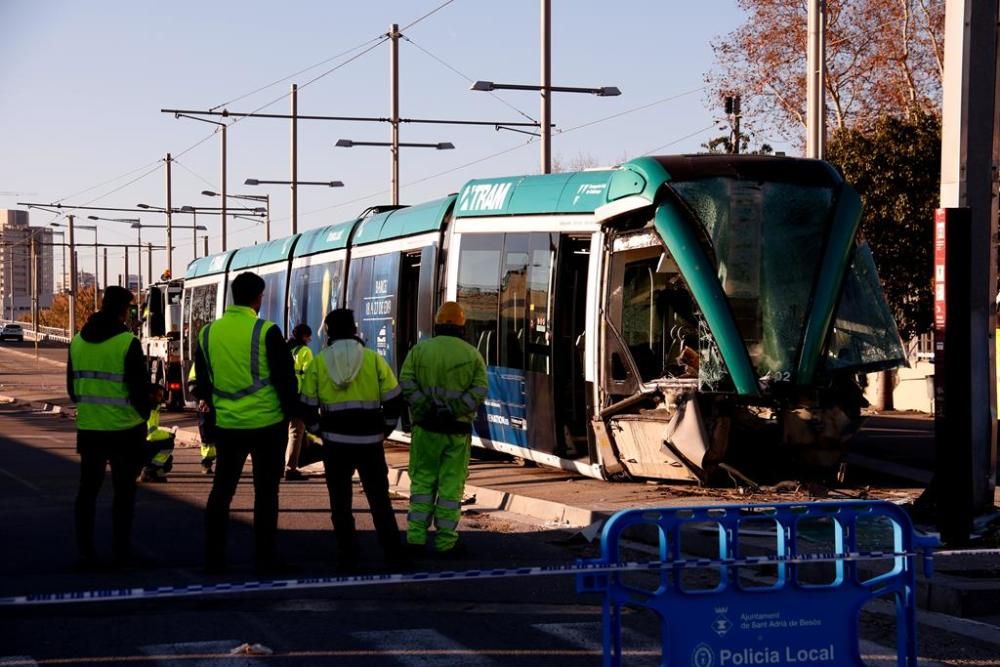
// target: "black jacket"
[[99, 328], [279, 364]]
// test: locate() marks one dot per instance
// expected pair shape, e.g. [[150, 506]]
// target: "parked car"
[[12, 332]]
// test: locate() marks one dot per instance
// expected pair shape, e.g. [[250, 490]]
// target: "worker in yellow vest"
[[352, 395], [444, 382], [159, 442], [246, 376], [106, 377], [302, 356], [206, 425]]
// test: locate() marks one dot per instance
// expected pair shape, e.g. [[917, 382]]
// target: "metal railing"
[[43, 333]]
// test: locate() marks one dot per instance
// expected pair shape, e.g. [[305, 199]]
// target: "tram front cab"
[[739, 307]]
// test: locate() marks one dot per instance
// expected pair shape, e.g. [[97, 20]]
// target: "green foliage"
[[895, 166], [724, 144]]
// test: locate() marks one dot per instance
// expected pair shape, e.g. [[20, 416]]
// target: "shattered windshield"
[[864, 335], [767, 239]]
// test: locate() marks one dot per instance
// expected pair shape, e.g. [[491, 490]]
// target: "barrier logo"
[[721, 624], [702, 656]]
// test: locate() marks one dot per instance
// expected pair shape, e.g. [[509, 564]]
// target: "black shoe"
[[206, 469], [294, 475]]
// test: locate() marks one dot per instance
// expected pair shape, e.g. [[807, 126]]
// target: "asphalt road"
[[515, 621], [518, 621]]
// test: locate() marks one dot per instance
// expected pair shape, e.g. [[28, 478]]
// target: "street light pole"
[[170, 226], [546, 92], [394, 110], [224, 142], [295, 160], [72, 278]]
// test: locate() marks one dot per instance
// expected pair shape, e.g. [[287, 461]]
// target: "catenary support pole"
[[394, 111], [816, 80], [546, 92], [72, 277], [170, 225], [294, 159]]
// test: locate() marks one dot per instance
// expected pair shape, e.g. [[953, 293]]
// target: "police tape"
[[345, 581]]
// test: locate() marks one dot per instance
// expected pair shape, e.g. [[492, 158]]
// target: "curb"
[[553, 514]]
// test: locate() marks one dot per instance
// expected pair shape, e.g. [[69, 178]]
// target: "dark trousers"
[[124, 451], [267, 446], [340, 461]]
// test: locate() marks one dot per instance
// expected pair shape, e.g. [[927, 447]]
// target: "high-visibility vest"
[[99, 384], [242, 393], [153, 431], [444, 374], [302, 356], [352, 414]]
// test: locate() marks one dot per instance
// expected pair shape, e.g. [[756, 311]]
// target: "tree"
[[883, 57], [724, 144], [57, 315], [895, 167]]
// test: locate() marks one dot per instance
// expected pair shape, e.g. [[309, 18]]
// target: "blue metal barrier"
[[747, 585]]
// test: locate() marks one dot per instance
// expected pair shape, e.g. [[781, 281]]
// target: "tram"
[[673, 318]]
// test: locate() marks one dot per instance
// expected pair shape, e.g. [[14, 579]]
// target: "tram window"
[[478, 290], [539, 328], [513, 301], [202, 311], [315, 292], [273, 306], [658, 323]]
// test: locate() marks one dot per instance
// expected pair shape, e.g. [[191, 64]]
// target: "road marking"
[[588, 636], [223, 652], [454, 653], [17, 479], [6, 661]]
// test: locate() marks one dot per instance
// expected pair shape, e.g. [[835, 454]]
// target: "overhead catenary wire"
[[294, 74], [427, 15], [467, 78]]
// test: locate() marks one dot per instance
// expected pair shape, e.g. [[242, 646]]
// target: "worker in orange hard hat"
[[444, 382]]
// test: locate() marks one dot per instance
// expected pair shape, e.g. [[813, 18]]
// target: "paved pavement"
[[521, 516]]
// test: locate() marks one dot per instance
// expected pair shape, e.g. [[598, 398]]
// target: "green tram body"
[[647, 321]]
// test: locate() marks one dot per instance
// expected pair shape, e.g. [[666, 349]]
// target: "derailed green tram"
[[676, 318]]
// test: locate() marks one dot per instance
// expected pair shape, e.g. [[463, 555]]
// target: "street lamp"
[[89, 228], [264, 198], [394, 147], [546, 89], [294, 184], [136, 224]]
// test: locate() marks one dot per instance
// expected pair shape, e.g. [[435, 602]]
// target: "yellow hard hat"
[[450, 313]]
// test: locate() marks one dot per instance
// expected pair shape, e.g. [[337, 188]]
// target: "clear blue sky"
[[83, 84]]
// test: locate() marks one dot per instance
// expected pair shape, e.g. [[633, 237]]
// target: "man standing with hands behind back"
[[245, 374], [107, 379]]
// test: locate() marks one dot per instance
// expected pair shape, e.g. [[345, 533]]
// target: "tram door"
[[569, 327], [415, 315]]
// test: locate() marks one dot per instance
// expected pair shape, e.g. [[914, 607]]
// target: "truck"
[[160, 336]]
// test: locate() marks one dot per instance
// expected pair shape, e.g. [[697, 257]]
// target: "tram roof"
[[426, 217], [322, 239], [266, 253], [211, 264]]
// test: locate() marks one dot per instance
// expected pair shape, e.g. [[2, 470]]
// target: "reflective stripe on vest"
[[99, 384], [245, 399]]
